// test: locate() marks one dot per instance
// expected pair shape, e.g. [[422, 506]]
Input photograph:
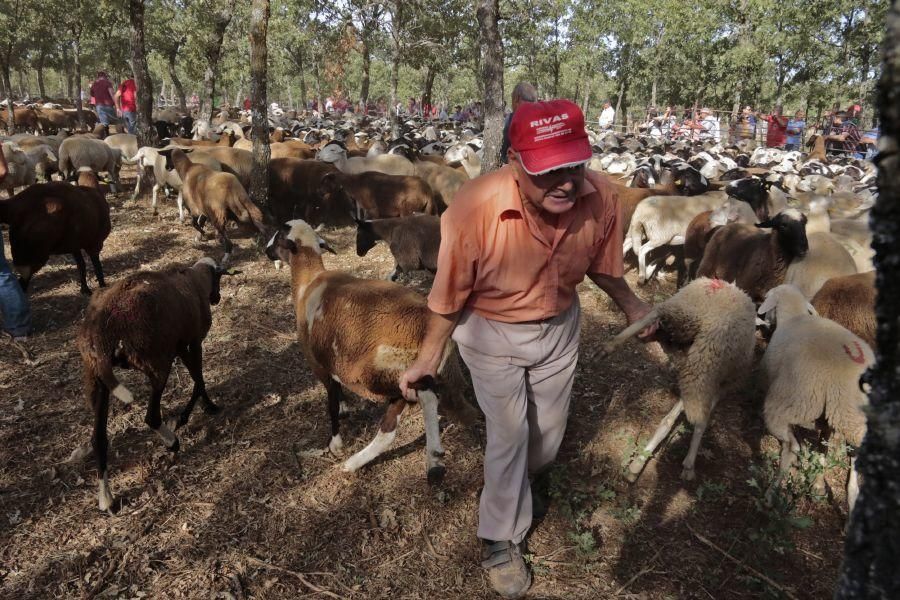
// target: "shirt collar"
[[508, 197]]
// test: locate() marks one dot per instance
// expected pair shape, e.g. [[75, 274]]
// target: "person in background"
[[126, 103], [795, 129], [607, 116], [247, 104], [777, 128], [13, 302], [844, 138], [746, 126], [523, 92], [515, 243], [869, 141], [102, 93], [708, 126]]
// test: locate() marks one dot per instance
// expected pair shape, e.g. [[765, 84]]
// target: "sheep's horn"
[[629, 332]]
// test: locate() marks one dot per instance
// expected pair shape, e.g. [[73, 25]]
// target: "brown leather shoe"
[[506, 568]]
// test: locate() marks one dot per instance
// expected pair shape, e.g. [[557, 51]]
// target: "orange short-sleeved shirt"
[[495, 261]]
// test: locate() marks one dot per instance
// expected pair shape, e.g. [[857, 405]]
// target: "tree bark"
[[213, 52], [70, 84], [40, 75], [259, 179], [141, 73], [872, 546], [10, 116], [366, 68], [176, 82], [396, 32], [492, 74], [429, 86], [76, 49]]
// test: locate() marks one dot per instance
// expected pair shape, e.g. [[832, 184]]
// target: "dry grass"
[[252, 508]]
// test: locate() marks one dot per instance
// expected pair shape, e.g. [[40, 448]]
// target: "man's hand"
[[414, 373], [637, 312]]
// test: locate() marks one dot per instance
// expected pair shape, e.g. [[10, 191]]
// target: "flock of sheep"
[[762, 239]]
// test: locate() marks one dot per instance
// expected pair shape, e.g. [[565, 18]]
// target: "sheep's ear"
[[767, 224], [812, 310], [324, 245], [768, 304]]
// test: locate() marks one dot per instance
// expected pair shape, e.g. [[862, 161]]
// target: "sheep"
[[126, 143], [294, 192], [849, 301], [362, 335], [88, 179], [812, 367], [663, 220], [388, 164], [708, 329], [122, 328], [233, 160], [150, 158], [217, 197], [853, 234], [379, 195], [825, 259], [56, 218], [414, 241], [464, 155], [75, 152], [443, 180], [23, 166], [703, 226]]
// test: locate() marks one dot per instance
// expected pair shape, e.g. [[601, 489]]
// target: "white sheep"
[[389, 164], [812, 367], [76, 152], [708, 328], [825, 259]]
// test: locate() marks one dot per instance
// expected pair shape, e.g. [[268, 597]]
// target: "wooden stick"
[[299, 576], [741, 563]]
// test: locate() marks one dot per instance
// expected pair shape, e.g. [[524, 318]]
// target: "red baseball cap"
[[549, 135]]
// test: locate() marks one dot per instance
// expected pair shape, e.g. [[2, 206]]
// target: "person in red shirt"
[[515, 243], [247, 104], [126, 103], [777, 130], [102, 95]]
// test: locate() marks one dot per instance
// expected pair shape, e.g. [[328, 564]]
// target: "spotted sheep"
[[362, 334]]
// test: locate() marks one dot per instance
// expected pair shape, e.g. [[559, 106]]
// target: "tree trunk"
[[317, 73], [176, 82], [40, 75], [653, 89], [492, 74], [10, 116], [300, 68], [429, 87], [70, 84], [141, 73], [213, 52], [619, 102], [76, 48], [586, 104], [396, 31], [259, 179], [872, 545], [366, 68]]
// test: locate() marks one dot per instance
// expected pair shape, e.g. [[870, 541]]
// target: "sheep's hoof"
[[436, 474], [104, 499], [175, 447], [350, 466], [85, 290], [336, 446], [211, 409], [344, 409], [79, 454], [688, 474], [634, 470], [818, 487]]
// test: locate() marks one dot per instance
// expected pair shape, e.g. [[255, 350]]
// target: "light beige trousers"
[[522, 374]]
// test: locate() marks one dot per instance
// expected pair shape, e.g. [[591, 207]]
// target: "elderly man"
[[607, 116], [514, 245], [708, 126], [523, 92]]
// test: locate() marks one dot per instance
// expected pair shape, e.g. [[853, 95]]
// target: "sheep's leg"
[[82, 272], [687, 472], [153, 194], [98, 269], [195, 223], [228, 246], [153, 418], [665, 427], [137, 183], [852, 485], [180, 202], [335, 401], [642, 260], [434, 452], [789, 450], [192, 357], [387, 431], [100, 442]]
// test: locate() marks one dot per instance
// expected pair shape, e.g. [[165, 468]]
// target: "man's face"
[[553, 192], [800, 115]]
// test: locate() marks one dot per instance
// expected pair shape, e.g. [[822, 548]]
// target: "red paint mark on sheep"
[[860, 357], [714, 286]]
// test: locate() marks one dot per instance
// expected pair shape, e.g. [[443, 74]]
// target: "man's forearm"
[[437, 332], [617, 289]]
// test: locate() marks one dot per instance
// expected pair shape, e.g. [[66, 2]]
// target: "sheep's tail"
[[629, 332], [103, 371]]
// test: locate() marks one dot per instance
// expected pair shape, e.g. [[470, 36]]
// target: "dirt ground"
[[253, 506]]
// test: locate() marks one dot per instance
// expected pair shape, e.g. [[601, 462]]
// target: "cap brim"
[[559, 156]]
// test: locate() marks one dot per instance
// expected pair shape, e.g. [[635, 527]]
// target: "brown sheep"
[[630, 197], [379, 195], [225, 141], [294, 191], [217, 197], [362, 335], [123, 327], [56, 218], [414, 241], [26, 119], [849, 301], [284, 150], [233, 160]]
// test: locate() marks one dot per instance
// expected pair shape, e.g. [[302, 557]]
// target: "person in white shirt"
[[607, 116], [709, 125]]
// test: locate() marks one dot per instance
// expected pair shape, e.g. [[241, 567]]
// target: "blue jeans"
[[13, 302], [106, 114], [130, 118]]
